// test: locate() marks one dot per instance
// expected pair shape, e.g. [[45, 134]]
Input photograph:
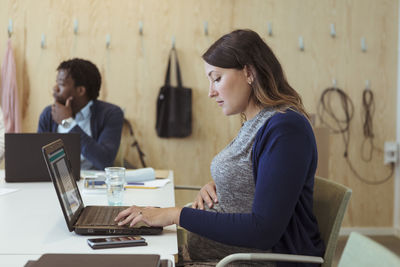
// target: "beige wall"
[[133, 70]]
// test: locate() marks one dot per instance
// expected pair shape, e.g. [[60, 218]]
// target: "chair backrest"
[[330, 203], [363, 251], [123, 146], [129, 141]]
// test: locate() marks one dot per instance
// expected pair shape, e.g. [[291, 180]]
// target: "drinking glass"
[[115, 180]]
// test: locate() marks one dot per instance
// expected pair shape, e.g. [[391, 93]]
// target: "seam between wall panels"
[[396, 206]]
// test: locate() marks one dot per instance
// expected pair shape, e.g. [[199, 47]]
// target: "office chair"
[[330, 203], [128, 140], [363, 251]]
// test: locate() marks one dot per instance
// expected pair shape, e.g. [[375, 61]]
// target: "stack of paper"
[[131, 176], [145, 178], [4, 191]]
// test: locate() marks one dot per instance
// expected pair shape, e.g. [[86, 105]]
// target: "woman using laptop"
[[261, 196]]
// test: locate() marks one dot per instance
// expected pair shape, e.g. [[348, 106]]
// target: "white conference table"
[[32, 223]]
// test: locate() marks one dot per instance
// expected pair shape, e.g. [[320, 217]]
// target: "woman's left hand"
[[149, 215]]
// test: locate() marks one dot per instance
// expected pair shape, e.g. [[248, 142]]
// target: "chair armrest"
[[268, 257], [187, 187]]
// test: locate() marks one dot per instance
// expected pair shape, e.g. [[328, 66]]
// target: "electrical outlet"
[[390, 152]]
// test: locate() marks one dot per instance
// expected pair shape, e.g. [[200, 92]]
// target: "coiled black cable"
[[342, 126], [368, 113]]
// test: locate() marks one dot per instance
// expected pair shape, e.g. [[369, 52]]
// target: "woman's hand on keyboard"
[[208, 195], [149, 215]]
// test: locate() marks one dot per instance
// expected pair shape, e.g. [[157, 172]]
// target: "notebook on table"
[[96, 260], [89, 220], [23, 158]]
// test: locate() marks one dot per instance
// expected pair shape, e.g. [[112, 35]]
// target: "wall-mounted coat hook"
[[334, 83], [363, 45], [301, 43], [367, 85], [333, 30], [10, 28], [173, 42], [108, 40], [141, 27], [76, 26], [205, 28], [43, 41], [269, 28]]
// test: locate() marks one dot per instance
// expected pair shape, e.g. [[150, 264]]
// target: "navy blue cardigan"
[[284, 160], [106, 126]]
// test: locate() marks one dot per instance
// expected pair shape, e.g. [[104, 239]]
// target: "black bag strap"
[[178, 70]]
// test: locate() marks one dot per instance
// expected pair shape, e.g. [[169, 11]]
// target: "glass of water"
[[115, 180]]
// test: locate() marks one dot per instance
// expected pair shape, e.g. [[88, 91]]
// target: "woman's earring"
[[250, 80]]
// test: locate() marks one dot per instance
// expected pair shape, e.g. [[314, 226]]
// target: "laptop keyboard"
[[99, 215]]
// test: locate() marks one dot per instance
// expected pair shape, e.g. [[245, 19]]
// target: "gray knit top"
[[232, 168]]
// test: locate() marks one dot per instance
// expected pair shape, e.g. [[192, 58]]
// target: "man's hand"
[[149, 215], [60, 112], [208, 195]]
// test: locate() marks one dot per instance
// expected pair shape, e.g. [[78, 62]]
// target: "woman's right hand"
[[208, 195]]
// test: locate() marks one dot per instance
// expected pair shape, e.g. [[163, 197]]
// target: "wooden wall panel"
[[133, 69], [340, 58]]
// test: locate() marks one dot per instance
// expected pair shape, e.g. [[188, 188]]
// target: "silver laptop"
[[89, 220]]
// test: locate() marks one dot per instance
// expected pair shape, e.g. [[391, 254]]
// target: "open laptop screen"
[[69, 193], [62, 176], [24, 160]]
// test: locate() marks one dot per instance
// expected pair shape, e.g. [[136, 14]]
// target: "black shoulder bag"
[[174, 106]]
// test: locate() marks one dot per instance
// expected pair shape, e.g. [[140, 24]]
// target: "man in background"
[[77, 110]]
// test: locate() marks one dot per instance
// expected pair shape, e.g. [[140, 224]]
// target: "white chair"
[[361, 251]]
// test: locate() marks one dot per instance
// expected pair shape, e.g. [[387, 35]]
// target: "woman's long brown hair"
[[245, 48]]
